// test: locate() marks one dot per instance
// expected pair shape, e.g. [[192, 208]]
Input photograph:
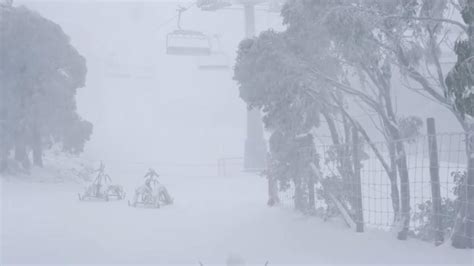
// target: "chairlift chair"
[[213, 62], [217, 60], [187, 42]]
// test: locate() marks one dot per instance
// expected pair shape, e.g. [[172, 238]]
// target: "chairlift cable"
[[171, 19]]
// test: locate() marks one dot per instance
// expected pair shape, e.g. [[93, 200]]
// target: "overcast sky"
[[178, 113]]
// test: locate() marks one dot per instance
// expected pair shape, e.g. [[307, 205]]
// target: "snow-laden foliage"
[[327, 44], [40, 72], [425, 226], [460, 81], [271, 79], [410, 127]]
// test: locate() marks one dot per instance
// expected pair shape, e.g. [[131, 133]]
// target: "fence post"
[[435, 186], [357, 181]]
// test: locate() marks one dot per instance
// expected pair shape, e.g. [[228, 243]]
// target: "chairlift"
[[187, 42], [213, 5], [217, 60], [214, 62]]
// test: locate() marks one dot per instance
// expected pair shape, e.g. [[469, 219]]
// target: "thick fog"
[[155, 107], [328, 133], [163, 108]]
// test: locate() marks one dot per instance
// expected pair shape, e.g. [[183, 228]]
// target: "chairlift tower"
[[255, 144]]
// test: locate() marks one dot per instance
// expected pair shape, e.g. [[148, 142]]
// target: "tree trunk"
[[21, 154], [343, 153], [273, 198], [345, 168], [402, 165], [392, 130], [299, 196], [37, 150], [357, 192], [332, 127], [3, 159], [347, 165], [4, 148], [395, 193], [436, 213], [311, 194], [404, 189], [391, 171]]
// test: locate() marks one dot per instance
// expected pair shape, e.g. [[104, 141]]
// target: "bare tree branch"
[[442, 20], [364, 134]]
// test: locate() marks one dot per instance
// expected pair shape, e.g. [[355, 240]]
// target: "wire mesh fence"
[[229, 166], [419, 185]]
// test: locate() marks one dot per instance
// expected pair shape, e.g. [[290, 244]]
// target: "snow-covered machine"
[[102, 188], [151, 194]]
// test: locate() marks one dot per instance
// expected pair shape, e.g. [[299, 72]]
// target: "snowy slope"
[[44, 223], [58, 168]]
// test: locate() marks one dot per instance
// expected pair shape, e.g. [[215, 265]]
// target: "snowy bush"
[[424, 219], [410, 127], [331, 184], [58, 167]]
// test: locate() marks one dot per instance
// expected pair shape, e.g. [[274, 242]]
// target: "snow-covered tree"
[[460, 83], [40, 72], [357, 42], [272, 79], [424, 29]]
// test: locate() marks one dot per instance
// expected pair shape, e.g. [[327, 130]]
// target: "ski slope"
[[44, 223]]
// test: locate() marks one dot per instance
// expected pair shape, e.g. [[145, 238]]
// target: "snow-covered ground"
[[44, 223]]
